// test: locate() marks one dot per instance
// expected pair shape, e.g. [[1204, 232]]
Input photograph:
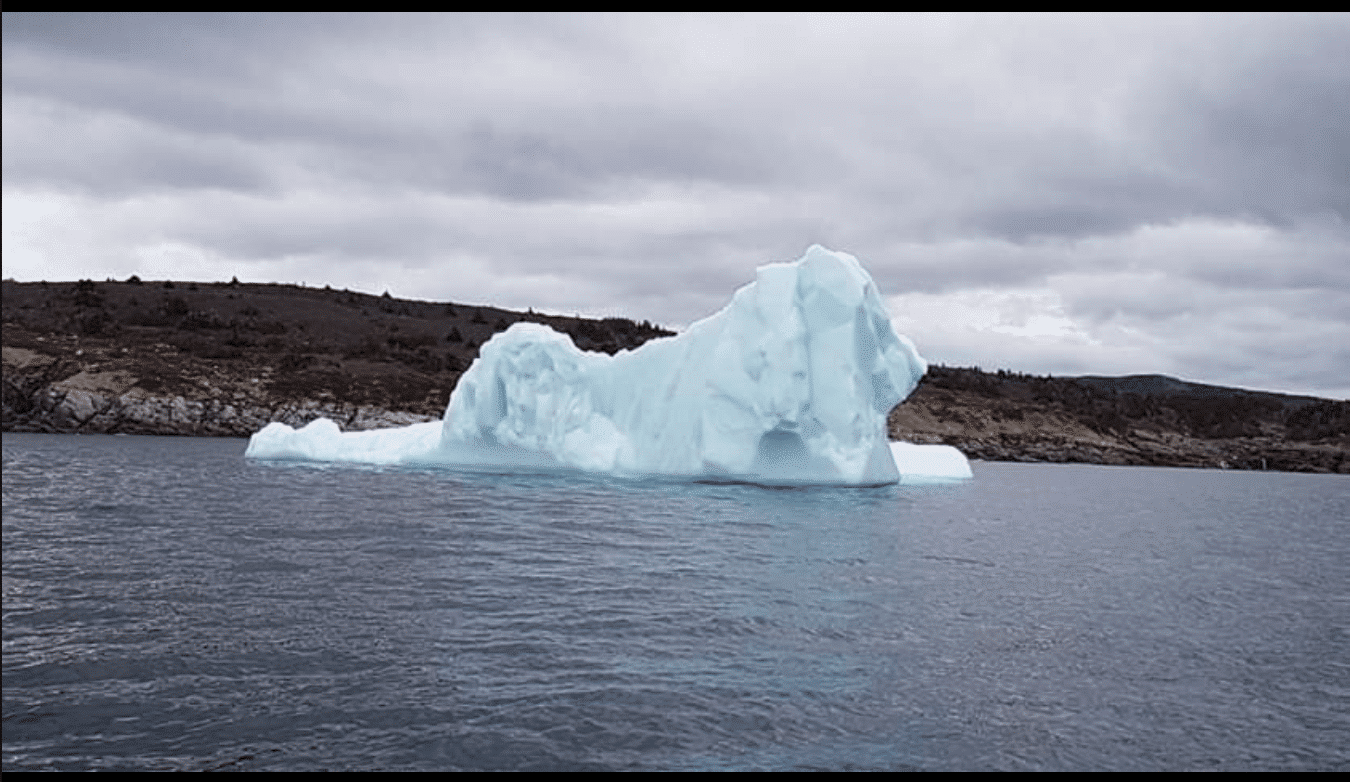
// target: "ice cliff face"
[[789, 383]]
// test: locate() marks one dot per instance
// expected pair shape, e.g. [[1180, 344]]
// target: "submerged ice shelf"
[[791, 382]]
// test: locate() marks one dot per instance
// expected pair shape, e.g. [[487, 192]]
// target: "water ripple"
[[169, 605]]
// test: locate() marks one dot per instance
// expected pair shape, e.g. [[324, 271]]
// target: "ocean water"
[[171, 605]]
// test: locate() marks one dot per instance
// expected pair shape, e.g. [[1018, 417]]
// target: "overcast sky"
[[1047, 194]]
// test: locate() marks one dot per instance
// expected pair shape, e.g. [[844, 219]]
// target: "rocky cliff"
[[1141, 420], [226, 359]]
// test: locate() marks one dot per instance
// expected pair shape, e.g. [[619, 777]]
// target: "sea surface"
[[171, 605]]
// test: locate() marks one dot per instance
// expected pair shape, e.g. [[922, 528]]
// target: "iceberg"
[[930, 463], [790, 383]]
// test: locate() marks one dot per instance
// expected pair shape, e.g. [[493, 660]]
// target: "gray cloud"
[[1139, 168]]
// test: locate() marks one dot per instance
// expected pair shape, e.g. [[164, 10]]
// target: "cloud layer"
[[1066, 194]]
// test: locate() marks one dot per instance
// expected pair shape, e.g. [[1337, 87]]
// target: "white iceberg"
[[929, 463], [789, 383]]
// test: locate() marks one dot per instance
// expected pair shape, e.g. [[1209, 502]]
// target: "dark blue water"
[[170, 605]]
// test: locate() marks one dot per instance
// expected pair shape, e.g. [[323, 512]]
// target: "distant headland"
[[225, 359]]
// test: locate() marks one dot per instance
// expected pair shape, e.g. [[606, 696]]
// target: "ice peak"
[[791, 381]]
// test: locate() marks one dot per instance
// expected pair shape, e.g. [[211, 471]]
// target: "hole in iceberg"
[[782, 453]]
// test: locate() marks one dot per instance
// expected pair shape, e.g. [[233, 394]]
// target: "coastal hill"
[[1140, 419], [224, 359]]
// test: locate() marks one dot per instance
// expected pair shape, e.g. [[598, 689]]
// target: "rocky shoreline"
[[1008, 417], [225, 360], [44, 394], [110, 401]]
